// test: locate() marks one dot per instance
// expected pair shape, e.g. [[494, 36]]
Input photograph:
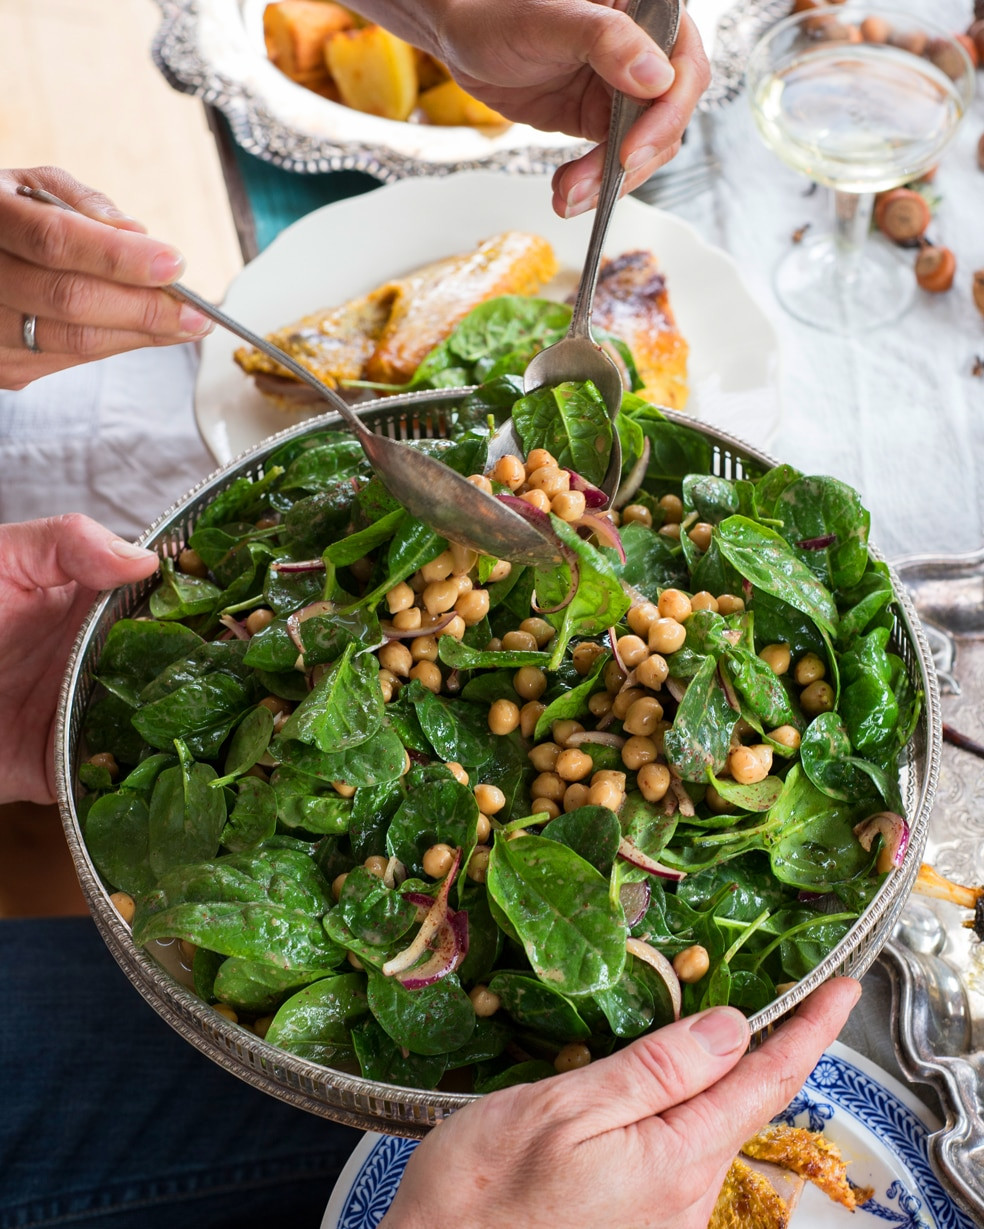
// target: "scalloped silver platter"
[[214, 49], [349, 1099]]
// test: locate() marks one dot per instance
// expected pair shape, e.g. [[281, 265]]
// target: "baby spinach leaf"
[[651, 564], [572, 702], [519, 1073], [379, 759], [674, 451], [109, 727], [373, 912], [758, 796], [768, 489], [380, 1058], [201, 713], [630, 1006], [814, 846], [767, 694], [248, 743], [253, 818], [308, 803], [436, 809], [186, 816], [243, 500], [572, 422], [117, 835], [815, 509], [137, 650], [560, 906], [252, 985], [316, 1022], [591, 831], [432, 1020], [179, 596], [460, 656], [343, 709], [645, 825], [700, 736], [318, 468], [538, 1007], [458, 731]]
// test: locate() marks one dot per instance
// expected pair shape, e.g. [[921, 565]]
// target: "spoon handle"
[[661, 20]]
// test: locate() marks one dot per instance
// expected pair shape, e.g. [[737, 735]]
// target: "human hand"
[[50, 573], [556, 68], [90, 280], [643, 1138]]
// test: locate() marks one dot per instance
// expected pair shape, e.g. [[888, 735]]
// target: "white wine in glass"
[[859, 100]]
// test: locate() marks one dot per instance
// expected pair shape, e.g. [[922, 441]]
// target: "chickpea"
[[191, 563], [653, 780], [666, 636], [483, 483], [395, 658], [692, 963], [638, 750], [653, 672], [622, 702], [275, 704], [473, 606], [529, 715], [700, 535], [483, 828], [437, 860], [407, 620], [423, 648], [729, 604], [503, 717], [671, 531], [704, 601], [550, 480], [361, 569], [539, 629], [808, 669], [777, 657], [478, 864], [637, 514], [576, 795], [606, 794], [400, 597], [585, 655], [643, 716], [337, 884], [563, 729], [750, 764], [672, 506], [355, 962], [674, 604], [124, 904], [484, 1001], [568, 505], [817, 698], [523, 642], [614, 677], [715, 802], [573, 765], [548, 785], [439, 568], [509, 471], [261, 1026], [376, 865], [440, 596], [530, 682], [428, 675], [641, 617], [455, 628], [464, 559], [457, 772], [659, 734], [501, 570], [494, 645], [613, 775], [541, 806], [786, 736], [599, 704], [544, 756], [632, 649], [572, 1056], [490, 798], [223, 1009], [106, 759], [537, 499], [258, 619], [538, 458], [343, 789]]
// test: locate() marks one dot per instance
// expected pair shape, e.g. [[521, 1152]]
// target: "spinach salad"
[[421, 812]]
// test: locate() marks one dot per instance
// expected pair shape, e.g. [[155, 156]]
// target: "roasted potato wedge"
[[448, 104], [374, 71]]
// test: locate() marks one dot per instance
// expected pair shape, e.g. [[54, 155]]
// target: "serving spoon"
[[577, 356]]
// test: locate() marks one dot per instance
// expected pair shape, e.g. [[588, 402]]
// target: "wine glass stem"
[[852, 218]]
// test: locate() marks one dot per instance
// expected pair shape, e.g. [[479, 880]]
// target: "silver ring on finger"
[[29, 331]]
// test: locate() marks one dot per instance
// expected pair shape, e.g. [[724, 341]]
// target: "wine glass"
[[860, 99]]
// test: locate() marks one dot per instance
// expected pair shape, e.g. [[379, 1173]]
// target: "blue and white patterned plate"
[[879, 1126]]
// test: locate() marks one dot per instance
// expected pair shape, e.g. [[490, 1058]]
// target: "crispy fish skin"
[[748, 1200], [632, 302], [383, 336], [812, 1157]]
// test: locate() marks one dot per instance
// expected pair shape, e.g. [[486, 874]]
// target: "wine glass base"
[[810, 285]]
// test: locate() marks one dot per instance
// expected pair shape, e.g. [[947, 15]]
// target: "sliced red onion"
[[685, 804], [634, 898], [676, 687], [311, 611], [633, 479], [603, 530], [527, 511], [600, 737], [728, 688], [594, 496], [233, 624], [431, 936], [411, 633], [656, 960], [631, 852], [821, 543], [450, 949], [746, 590], [613, 641], [894, 832], [395, 873], [298, 565], [420, 899]]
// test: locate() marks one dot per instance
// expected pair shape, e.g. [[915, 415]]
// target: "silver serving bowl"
[[350, 1099]]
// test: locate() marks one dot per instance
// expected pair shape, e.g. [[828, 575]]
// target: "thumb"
[[622, 54], [48, 553], [81, 197]]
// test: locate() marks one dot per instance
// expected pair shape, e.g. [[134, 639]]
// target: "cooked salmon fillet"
[[812, 1157], [748, 1200], [383, 336], [632, 303]]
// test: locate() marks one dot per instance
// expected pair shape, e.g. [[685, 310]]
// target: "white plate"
[[878, 1125], [348, 248]]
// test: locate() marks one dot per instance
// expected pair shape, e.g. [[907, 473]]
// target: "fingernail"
[[579, 198], [192, 323], [167, 267], [721, 1031], [128, 550], [653, 73], [639, 158]]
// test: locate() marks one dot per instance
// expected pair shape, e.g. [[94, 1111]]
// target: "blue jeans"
[[110, 1120]]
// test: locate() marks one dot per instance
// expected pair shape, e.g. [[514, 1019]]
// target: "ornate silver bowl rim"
[[349, 1099]]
